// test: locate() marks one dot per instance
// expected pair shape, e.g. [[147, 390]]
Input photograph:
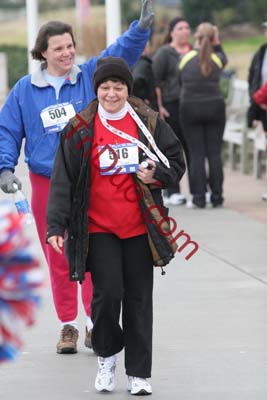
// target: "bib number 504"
[[57, 113]]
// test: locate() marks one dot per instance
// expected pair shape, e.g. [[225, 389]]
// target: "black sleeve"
[[144, 82], [140, 79], [62, 185], [159, 66], [220, 53], [251, 76]]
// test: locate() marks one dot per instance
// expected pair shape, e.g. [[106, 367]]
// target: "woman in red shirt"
[[111, 206]]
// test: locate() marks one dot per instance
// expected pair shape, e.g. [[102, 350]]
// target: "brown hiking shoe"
[[88, 338], [68, 340]]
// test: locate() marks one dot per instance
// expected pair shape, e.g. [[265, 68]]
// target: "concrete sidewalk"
[[210, 318], [243, 194]]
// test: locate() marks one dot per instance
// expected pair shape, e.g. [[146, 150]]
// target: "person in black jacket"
[[256, 78], [165, 68], [143, 78], [107, 206], [202, 114]]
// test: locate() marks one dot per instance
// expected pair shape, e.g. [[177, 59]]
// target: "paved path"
[[210, 316]]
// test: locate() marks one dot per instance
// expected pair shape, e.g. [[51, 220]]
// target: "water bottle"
[[146, 165], [22, 205]]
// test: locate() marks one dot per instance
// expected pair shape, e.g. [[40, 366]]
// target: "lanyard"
[[136, 141], [148, 135]]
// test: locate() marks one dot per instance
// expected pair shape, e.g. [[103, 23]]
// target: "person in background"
[[165, 67], [37, 109], [260, 98], [202, 114], [143, 78], [96, 211], [256, 78]]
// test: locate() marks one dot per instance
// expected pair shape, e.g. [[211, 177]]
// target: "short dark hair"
[[51, 28], [172, 24]]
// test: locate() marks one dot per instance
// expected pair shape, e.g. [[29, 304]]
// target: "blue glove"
[[7, 180], [147, 15]]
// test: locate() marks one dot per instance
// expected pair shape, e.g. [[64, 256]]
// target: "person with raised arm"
[[37, 109]]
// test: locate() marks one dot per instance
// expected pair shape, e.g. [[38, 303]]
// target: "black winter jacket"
[[144, 81], [196, 87], [69, 195], [165, 68], [254, 83]]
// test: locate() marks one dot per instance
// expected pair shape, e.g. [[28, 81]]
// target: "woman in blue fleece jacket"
[[37, 109]]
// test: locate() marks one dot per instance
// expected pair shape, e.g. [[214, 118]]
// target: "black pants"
[[174, 121], [203, 126], [122, 274]]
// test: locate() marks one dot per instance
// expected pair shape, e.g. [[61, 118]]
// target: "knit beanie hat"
[[112, 67]]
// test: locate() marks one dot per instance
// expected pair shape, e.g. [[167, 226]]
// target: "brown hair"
[[205, 35], [172, 24], [51, 28]]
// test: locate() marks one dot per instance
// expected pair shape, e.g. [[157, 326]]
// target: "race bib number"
[[118, 158], [56, 117]]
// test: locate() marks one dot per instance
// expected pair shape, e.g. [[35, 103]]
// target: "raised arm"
[[131, 43], [147, 15]]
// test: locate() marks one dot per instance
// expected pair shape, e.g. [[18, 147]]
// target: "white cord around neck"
[[113, 116], [156, 157]]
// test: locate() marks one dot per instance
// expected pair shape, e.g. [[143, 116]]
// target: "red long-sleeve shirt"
[[113, 205], [260, 96]]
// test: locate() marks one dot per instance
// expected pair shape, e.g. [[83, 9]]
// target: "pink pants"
[[65, 292]]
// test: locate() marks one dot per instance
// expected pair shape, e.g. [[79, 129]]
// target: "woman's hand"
[[57, 243], [163, 113], [146, 175]]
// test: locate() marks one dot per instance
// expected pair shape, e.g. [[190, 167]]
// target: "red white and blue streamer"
[[20, 281]]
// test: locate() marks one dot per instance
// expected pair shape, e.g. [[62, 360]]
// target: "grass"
[[240, 53], [243, 45]]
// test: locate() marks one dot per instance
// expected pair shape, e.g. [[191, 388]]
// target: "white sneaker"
[[190, 204], [177, 199], [105, 379], [166, 201], [264, 196], [138, 386]]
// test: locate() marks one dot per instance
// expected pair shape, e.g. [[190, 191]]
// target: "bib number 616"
[[121, 153]]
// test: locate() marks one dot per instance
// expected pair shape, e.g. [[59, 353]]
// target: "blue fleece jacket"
[[21, 115]]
